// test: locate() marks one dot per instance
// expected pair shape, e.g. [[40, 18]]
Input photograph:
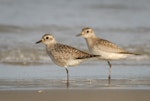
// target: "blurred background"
[[23, 22]]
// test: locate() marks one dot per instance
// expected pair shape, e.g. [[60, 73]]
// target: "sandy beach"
[[76, 95]]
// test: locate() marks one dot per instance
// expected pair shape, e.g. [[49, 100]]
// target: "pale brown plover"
[[64, 55], [107, 50]]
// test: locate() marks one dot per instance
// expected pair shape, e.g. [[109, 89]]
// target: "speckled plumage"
[[105, 45], [64, 55]]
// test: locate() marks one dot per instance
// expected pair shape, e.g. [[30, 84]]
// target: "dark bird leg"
[[109, 76], [67, 71]]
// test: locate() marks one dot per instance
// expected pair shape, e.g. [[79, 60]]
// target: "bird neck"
[[89, 42], [51, 45]]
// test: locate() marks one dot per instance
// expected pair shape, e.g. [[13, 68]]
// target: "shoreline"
[[76, 95]]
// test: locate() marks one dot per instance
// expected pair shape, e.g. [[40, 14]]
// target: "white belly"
[[109, 55], [65, 62]]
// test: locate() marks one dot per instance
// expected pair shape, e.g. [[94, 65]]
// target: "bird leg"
[[67, 71], [109, 76]]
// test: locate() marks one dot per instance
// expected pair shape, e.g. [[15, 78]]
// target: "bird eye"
[[47, 37], [87, 31]]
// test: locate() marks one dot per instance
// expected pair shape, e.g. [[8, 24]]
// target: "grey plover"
[[64, 55], [107, 50]]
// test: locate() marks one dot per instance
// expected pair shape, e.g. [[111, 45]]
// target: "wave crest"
[[23, 56], [30, 55]]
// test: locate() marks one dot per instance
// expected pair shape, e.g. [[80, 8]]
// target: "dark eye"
[[87, 31], [47, 37]]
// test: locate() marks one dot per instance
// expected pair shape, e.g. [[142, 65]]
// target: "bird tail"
[[130, 53]]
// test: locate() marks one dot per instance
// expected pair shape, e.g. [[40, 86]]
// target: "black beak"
[[79, 35], [39, 42]]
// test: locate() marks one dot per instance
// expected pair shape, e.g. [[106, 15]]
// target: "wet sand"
[[76, 95]]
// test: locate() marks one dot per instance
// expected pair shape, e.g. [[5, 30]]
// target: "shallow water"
[[93, 75], [26, 65]]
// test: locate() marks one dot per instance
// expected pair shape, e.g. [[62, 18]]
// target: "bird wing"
[[71, 52], [107, 46]]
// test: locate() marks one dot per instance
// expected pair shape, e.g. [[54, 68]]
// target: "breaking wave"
[[30, 55], [16, 51]]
